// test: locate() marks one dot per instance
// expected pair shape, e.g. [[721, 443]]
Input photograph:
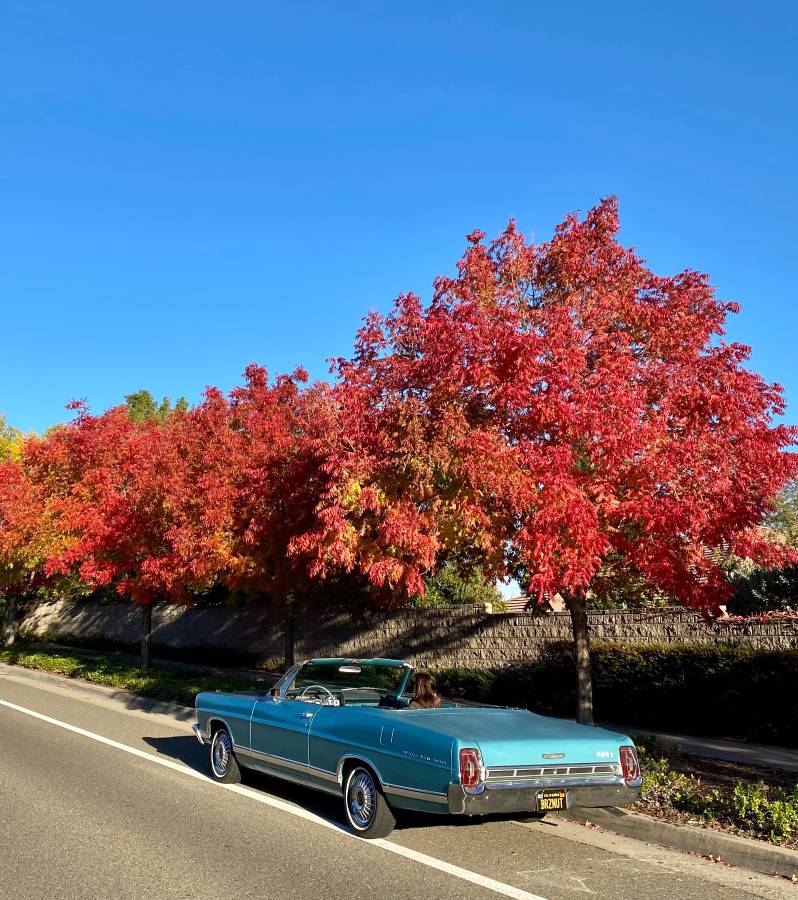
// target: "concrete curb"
[[145, 704], [739, 851]]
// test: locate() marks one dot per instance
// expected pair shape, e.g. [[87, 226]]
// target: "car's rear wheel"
[[224, 766], [367, 810]]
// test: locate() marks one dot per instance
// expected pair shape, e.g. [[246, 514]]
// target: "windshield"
[[350, 683], [381, 678]]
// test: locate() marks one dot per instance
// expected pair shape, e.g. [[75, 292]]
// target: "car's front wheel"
[[224, 766], [367, 810]]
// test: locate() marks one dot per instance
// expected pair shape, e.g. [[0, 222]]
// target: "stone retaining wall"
[[440, 638]]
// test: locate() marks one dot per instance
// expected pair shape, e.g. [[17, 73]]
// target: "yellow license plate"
[[547, 801]]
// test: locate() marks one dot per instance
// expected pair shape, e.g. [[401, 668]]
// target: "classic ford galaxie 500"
[[342, 726]]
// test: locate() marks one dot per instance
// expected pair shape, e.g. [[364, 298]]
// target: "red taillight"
[[629, 765], [472, 773]]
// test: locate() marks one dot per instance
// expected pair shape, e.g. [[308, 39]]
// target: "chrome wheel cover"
[[361, 799], [221, 751]]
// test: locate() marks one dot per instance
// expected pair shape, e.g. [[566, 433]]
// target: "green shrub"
[[762, 590], [470, 684], [454, 585], [781, 821], [769, 812], [724, 691], [663, 787], [720, 690]]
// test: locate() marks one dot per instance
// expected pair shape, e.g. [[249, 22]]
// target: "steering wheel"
[[316, 688]]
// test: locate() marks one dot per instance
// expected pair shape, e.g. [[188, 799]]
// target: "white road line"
[[498, 887]]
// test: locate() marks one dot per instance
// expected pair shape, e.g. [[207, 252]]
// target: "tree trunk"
[[577, 606], [10, 625], [146, 636], [289, 635]]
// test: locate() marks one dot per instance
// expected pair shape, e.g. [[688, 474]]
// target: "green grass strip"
[[122, 671]]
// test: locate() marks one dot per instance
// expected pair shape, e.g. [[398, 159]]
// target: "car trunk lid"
[[518, 738]]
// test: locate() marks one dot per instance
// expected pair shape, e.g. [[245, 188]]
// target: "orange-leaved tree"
[[29, 533], [34, 496]]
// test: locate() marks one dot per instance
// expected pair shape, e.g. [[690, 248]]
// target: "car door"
[[279, 731]]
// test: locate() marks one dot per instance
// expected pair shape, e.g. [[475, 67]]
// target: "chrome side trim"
[[398, 790], [276, 760], [412, 794], [323, 773], [358, 757], [288, 764]]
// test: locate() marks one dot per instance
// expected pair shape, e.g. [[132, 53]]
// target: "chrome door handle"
[[307, 715]]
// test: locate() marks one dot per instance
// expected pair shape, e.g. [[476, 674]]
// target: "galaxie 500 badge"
[[440, 762]]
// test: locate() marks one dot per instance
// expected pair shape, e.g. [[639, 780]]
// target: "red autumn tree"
[[150, 507], [554, 406], [284, 431], [164, 509]]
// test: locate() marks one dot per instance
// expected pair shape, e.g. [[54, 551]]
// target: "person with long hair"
[[426, 695]]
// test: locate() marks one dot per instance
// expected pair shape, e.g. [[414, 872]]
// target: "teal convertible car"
[[343, 726]]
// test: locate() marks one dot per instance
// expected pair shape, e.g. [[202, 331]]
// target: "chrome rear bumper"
[[510, 800], [198, 733]]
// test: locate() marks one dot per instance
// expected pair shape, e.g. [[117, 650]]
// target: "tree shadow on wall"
[[423, 633], [225, 636]]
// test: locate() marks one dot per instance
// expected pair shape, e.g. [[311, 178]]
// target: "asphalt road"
[[101, 800]]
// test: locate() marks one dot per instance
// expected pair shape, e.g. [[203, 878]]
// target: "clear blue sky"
[[189, 187]]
